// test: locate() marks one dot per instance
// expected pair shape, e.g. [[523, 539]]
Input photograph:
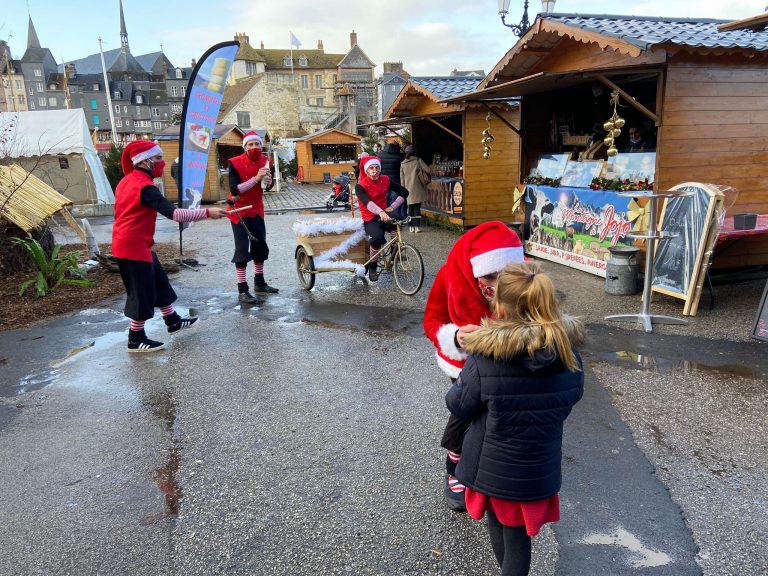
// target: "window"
[[174, 91], [303, 61], [287, 61], [119, 122], [52, 102], [37, 72], [183, 90], [127, 122], [335, 78], [118, 95], [39, 86], [158, 125], [51, 86], [94, 104], [251, 68], [21, 98], [176, 107], [63, 163], [31, 105], [244, 119], [31, 92], [304, 81], [318, 81], [95, 120], [395, 88], [319, 101], [156, 112], [179, 73], [95, 87], [18, 84], [117, 108], [139, 99], [125, 109], [41, 101]]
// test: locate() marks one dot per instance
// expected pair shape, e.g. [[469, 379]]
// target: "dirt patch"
[[21, 311]]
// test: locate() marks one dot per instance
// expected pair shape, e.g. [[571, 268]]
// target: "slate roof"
[[446, 86], [646, 31], [92, 64]]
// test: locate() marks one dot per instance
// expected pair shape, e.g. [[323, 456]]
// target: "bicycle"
[[402, 260]]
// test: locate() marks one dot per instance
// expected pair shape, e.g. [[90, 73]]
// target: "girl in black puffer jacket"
[[518, 387]]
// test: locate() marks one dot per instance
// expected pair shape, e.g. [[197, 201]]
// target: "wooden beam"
[[754, 23], [500, 117], [628, 98], [74, 225], [451, 132]]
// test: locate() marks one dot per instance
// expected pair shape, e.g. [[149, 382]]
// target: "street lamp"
[[520, 29]]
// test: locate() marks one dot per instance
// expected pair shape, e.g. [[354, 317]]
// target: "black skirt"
[[146, 286]]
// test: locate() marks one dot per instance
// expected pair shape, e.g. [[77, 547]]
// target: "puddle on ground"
[[36, 381], [666, 365], [165, 478], [639, 556]]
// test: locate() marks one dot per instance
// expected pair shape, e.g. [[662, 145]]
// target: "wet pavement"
[[300, 435]]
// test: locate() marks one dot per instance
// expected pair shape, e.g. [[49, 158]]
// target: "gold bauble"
[[608, 141], [608, 126], [486, 155], [616, 132], [612, 151], [619, 122]]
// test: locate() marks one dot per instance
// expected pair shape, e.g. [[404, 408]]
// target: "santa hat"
[[493, 248], [250, 137], [368, 161], [138, 151]]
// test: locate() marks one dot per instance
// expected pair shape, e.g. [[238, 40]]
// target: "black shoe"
[[264, 289], [454, 500], [183, 323], [247, 298], [145, 345], [373, 273]]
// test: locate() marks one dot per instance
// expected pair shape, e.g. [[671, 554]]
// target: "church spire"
[[32, 40], [123, 31]]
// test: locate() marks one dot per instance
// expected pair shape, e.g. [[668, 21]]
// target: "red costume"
[[134, 227], [247, 168]]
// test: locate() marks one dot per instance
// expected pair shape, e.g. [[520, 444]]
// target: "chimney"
[[242, 37], [194, 63], [319, 44], [353, 39], [70, 70], [262, 44]]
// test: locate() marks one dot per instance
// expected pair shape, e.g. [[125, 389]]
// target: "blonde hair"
[[526, 295]]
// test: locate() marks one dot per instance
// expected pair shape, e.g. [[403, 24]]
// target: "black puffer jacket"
[[518, 404], [391, 158]]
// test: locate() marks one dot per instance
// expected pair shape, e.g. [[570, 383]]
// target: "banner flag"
[[295, 41], [202, 102]]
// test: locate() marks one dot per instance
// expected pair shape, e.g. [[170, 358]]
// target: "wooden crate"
[[324, 242]]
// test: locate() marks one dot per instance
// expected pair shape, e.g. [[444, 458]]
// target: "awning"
[[544, 82], [409, 119]]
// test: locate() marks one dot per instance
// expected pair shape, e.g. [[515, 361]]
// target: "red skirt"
[[532, 515]]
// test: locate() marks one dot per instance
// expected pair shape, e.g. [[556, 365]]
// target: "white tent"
[[56, 133]]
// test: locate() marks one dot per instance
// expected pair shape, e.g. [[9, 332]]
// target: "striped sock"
[[453, 457], [258, 268], [167, 310], [240, 274], [136, 325], [454, 485]]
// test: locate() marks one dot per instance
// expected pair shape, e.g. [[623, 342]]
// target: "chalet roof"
[[328, 130], [446, 86], [236, 92]]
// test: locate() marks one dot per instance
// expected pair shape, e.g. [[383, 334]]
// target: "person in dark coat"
[[518, 386], [391, 158]]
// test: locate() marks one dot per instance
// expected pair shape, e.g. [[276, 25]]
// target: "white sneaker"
[[410, 228], [417, 229]]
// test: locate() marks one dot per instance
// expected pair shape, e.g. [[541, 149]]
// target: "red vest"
[[246, 169], [376, 194], [134, 227]]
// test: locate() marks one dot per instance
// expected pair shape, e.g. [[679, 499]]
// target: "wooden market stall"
[[325, 154], [465, 188], [697, 88], [226, 143]]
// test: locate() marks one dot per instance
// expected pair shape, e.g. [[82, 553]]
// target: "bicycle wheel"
[[305, 265], [408, 269]]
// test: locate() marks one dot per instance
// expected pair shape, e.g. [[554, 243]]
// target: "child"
[[518, 387]]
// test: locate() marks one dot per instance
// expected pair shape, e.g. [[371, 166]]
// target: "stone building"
[[13, 93]]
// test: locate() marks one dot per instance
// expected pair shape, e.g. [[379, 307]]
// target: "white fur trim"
[[495, 260], [320, 226], [251, 137], [445, 337], [448, 368], [371, 162], [141, 156]]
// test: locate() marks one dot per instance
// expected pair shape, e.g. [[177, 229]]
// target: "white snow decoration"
[[326, 259], [320, 226]]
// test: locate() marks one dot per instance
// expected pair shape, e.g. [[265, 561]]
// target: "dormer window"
[[139, 99], [95, 87], [303, 61], [51, 86], [287, 61], [179, 73], [118, 95]]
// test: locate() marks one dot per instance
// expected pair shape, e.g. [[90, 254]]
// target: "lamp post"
[[520, 29]]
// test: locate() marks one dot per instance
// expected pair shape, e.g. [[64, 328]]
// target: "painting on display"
[[550, 166], [634, 166], [581, 174], [576, 226]]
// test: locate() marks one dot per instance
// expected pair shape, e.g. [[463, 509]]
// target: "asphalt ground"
[[300, 435]]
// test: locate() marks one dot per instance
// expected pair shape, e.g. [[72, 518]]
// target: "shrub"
[[51, 271]]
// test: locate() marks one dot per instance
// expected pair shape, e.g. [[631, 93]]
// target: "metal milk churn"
[[622, 270]]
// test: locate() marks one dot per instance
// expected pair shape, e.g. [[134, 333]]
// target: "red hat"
[[137, 151], [368, 161], [493, 248], [250, 136]]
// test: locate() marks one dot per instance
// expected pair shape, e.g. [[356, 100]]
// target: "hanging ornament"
[[613, 127], [487, 138], [639, 215]]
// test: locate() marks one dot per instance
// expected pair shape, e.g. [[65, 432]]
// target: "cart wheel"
[[408, 269], [305, 266]]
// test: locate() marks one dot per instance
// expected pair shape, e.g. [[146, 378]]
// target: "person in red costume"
[[458, 301], [137, 203], [371, 191], [249, 175]]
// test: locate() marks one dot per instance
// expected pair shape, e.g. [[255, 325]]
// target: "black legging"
[[511, 545], [414, 211]]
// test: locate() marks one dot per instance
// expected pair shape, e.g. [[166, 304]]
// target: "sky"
[[430, 37]]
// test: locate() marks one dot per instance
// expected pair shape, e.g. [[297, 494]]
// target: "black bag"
[[401, 211]]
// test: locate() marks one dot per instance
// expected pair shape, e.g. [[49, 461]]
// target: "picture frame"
[[551, 166], [632, 166], [581, 174]]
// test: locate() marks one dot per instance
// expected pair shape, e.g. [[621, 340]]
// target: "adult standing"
[[249, 175], [137, 203], [410, 177], [458, 301], [372, 196]]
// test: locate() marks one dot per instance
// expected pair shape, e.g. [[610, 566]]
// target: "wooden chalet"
[[465, 189], [699, 87], [226, 143], [326, 154]]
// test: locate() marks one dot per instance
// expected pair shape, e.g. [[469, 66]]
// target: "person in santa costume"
[[459, 299], [371, 191], [137, 202], [249, 175]]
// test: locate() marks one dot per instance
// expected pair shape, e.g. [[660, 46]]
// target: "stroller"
[[339, 194]]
